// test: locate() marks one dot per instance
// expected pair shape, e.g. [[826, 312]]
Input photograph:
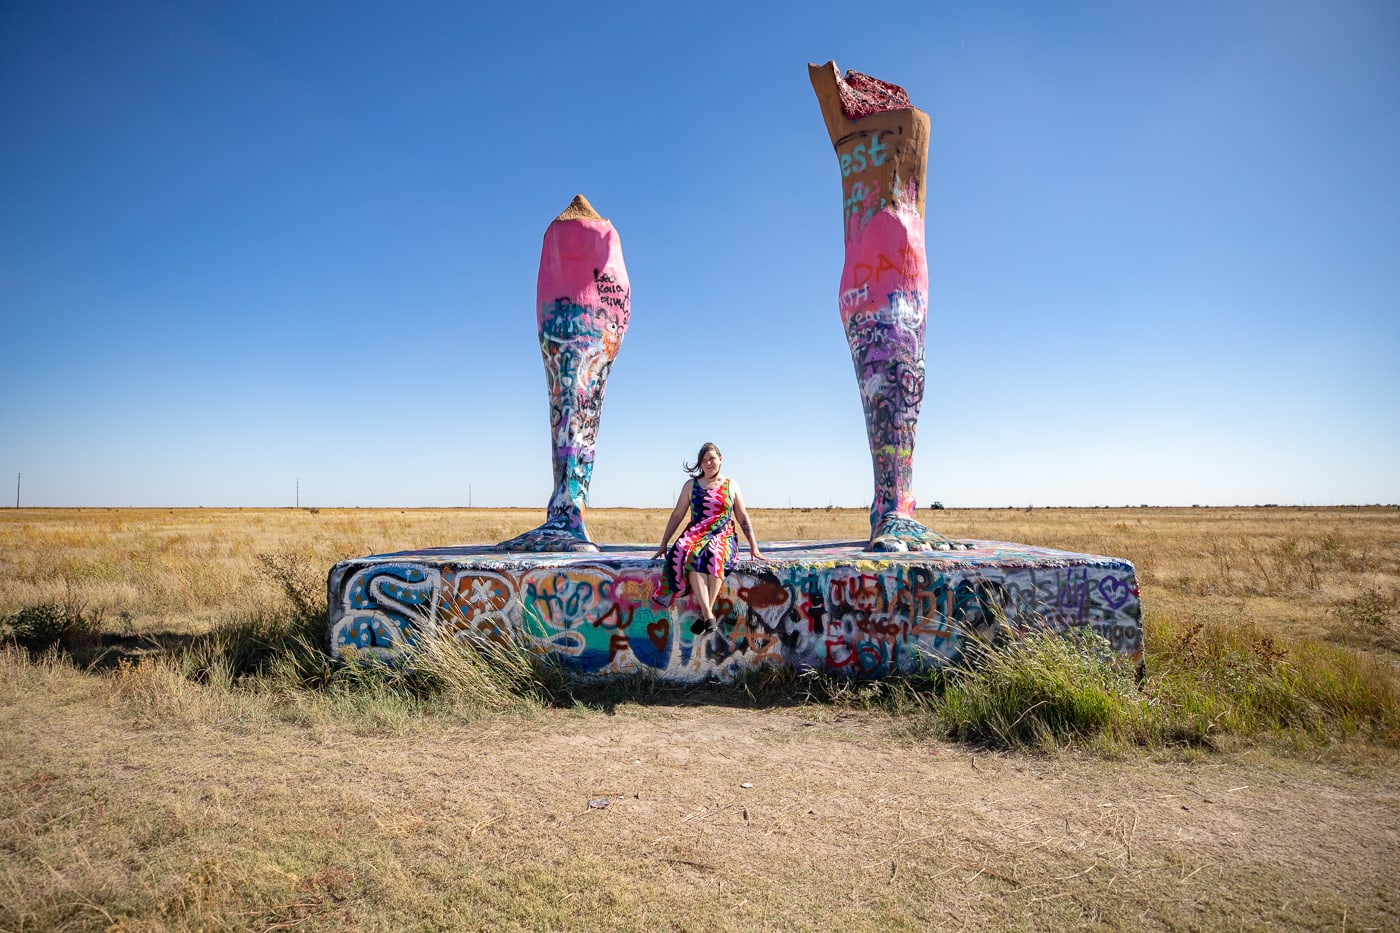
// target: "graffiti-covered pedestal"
[[829, 606]]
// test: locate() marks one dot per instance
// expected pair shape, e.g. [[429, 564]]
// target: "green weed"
[[1046, 691], [1225, 674], [1372, 617], [68, 627]]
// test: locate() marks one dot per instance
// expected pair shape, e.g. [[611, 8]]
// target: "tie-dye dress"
[[706, 545]]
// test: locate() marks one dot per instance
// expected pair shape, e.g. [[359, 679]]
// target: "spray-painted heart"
[[1115, 591], [660, 633]]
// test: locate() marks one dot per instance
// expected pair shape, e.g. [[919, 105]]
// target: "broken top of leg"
[[579, 209], [876, 130]]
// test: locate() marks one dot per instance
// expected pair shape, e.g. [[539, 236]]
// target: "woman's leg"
[[704, 598], [714, 584]]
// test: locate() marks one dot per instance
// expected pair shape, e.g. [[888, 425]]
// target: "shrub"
[[285, 641], [68, 627], [237, 648], [1047, 690], [1371, 618], [492, 672], [302, 584], [1221, 674]]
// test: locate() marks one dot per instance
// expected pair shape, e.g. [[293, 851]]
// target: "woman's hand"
[[660, 553], [756, 554]]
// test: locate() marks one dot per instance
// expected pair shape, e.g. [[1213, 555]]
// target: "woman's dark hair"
[[694, 468]]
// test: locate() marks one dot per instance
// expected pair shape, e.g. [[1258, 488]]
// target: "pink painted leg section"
[[884, 301]]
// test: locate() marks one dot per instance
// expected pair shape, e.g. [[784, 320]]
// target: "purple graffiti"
[[1115, 592]]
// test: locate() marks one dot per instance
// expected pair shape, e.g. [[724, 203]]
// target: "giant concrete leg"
[[583, 301], [881, 141]]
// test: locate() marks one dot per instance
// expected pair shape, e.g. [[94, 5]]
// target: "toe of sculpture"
[[901, 533], [550, 538]]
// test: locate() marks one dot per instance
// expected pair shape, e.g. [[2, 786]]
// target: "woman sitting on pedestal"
[[704, 553]]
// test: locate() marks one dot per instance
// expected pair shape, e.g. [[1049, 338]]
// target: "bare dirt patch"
[[686, 817]]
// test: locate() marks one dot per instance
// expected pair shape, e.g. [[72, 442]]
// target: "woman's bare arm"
[[677, 514], [741, 515]]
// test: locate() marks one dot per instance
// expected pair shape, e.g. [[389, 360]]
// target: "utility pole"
[[18, 477], [469, 495], [298, 493]]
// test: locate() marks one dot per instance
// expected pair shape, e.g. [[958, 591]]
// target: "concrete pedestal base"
[[825, 605]]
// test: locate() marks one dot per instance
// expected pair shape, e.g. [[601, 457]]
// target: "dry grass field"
[[139, 796]]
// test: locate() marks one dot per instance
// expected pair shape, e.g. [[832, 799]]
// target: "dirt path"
[[666, 817]]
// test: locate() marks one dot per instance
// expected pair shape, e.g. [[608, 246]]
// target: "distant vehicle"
[[936, 505]]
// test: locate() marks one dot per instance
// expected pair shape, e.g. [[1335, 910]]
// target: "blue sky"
[[246, 246]]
